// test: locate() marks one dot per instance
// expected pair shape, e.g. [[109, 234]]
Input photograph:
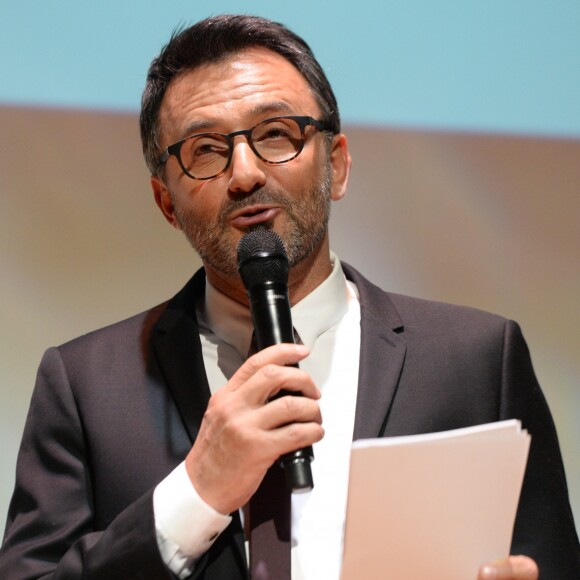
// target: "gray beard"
[[307, 224]]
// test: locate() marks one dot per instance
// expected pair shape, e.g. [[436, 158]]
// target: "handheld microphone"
[[263, 266]]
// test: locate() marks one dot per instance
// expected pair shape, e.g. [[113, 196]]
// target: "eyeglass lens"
[[274, 140]]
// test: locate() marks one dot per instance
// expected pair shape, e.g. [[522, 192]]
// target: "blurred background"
[[464, 125]]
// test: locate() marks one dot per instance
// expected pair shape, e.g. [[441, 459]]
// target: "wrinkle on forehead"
[[220, 96]]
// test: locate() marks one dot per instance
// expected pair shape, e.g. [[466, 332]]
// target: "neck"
[[310, 272], [304, 277]]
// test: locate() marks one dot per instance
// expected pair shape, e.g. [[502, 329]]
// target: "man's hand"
[[243, 431], [512, 568]]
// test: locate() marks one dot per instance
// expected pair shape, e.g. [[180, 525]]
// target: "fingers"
[[280, 354], [266, 373], [512, 568], [296, 436], [243, 431], [291, 422], [288, 409], [273, 380]]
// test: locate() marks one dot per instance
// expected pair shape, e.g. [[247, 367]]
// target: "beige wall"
[[487, 221]]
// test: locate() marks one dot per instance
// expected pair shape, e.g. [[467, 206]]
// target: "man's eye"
[[276, 133], [201, 148]]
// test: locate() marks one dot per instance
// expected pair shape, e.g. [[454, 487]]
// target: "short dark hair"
[[215, 39]]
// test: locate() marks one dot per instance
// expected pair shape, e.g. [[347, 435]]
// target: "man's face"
[[292, 198]]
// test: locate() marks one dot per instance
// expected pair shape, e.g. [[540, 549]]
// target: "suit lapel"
[[382, 354], [177, 347]]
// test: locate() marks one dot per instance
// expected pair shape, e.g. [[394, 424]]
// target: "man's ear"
[[164, 201], [341, 162]]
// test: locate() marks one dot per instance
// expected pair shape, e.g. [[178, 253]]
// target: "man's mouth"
[[252, 216]]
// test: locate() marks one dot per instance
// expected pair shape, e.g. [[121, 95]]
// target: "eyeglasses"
[[275, 140]]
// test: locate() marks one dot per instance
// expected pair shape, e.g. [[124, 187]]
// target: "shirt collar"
[[228, 319], [311, 317], [323, 307]]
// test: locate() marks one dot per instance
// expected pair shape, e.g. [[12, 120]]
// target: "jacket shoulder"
[[411, 312], [136, 328]]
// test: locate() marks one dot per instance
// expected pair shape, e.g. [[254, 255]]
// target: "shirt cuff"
[[185, 525]]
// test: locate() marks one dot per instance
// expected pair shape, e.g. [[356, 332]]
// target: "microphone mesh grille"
[[262, 258]]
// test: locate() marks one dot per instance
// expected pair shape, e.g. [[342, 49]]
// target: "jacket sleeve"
[[544, 527], [50, 531]]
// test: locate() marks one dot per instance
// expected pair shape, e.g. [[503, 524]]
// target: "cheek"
[[298, 175], [202, 200]]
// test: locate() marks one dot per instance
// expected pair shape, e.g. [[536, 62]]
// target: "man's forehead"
[[252, 82]]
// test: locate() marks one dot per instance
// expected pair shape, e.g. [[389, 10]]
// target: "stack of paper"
[[436, 506]]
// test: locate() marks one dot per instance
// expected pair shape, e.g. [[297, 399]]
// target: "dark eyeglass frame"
[[301, 120]]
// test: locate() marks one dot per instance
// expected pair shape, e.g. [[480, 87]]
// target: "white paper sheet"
[[435, 506]]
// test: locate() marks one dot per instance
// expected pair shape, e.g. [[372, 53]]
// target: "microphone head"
[[262, 258]]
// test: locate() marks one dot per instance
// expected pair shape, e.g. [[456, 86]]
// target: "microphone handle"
[[272, 320]]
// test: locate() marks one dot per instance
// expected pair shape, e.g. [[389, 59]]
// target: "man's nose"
[[246, 169]]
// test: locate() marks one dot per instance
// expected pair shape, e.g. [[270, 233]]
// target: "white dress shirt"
[[327, 321]]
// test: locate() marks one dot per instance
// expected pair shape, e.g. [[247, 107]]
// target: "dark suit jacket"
[[113, 412]]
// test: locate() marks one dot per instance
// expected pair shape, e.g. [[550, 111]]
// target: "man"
[[128, 469]]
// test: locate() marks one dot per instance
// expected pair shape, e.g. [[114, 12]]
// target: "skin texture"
[[236, 94], [242, 433]]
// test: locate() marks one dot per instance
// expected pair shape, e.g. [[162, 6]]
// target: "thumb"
[[512, 568]]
